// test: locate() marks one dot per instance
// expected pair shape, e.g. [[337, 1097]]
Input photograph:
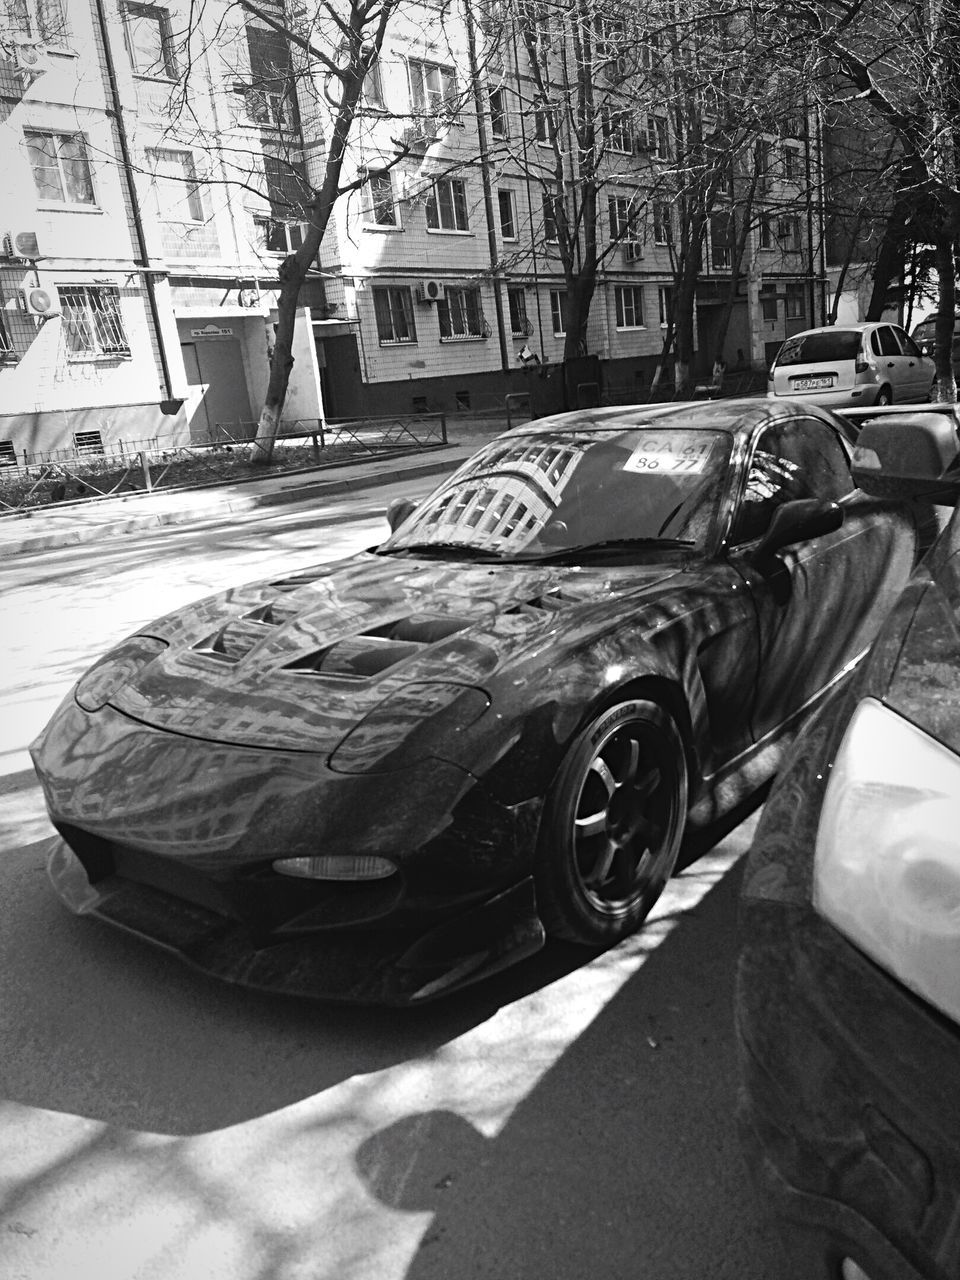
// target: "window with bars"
[[149, 40], [629, 304], [92, 323], [558, 311], [8, 454], [393, 308], [460, 314], [447, 205], [520, 325], [433, 88], [88, 442], [179, 199], [61, 170], [379, 208]]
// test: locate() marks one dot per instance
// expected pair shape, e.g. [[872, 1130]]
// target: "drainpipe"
[[485, 182], [115, 112]]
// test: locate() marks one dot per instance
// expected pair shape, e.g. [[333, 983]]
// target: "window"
[[792, 460], [546, 122], [498, 113], [763, 159], [629, 301], [433, 89], [175, 181], [8, 454], [665, 299], [460, 314], [373, 87], [447, 206], [794, 307], [766, 231], [379, 209], [550, 218], [791, 161], [92, 323], [617, 130], [277, 237], [662, 222], [722, 234], [558, 311], [146, 30], [508, 217], [39, 19], [61, 170], [520, 325], [270, 96], [6, 346], [287, 189], [768, 302], [658, 139], [788, 231], [619, 216], [651, 50], [393, 308]]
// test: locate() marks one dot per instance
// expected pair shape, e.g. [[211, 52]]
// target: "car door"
[[918, 370], [822, 603]]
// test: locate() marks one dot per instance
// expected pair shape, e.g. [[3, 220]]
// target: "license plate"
[[811, 384]]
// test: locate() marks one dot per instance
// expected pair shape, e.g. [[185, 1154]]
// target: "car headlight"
[[95, 689], [416, 722], [887, 860]]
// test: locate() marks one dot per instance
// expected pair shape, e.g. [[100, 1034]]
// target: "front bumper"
[[366, 966]]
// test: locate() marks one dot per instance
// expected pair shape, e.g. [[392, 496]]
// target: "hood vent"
[[371, 652]]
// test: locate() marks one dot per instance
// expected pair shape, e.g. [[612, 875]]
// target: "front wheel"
[[612, 824]]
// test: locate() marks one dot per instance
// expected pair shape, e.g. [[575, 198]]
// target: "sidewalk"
[[70, 523]]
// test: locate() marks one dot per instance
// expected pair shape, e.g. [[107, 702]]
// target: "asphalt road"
[[565, 1120]]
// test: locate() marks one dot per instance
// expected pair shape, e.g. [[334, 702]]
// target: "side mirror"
[[909, 455], [398, 511], [798, 521]]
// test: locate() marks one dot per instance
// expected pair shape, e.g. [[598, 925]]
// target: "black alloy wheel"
[[612, 824]]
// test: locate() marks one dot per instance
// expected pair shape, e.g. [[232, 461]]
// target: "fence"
[[100, 469]]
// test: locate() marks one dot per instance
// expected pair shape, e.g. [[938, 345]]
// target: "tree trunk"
[[945, 387], [292, 276], [580, 290]]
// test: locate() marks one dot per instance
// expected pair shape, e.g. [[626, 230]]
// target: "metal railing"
[[143, 466]]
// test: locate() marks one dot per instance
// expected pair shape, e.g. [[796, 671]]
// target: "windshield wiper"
[[605, 546], [445, 550]]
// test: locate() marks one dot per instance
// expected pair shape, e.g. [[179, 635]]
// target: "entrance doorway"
[[217, 388]]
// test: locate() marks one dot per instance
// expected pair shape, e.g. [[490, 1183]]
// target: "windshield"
[[820, 348], [540, 495]]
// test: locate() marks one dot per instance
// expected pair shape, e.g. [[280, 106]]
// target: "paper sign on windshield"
[[669, 455]]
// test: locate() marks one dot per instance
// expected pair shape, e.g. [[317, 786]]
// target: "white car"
[[856, 364]]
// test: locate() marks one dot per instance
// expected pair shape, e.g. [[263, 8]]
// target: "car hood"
[[295, 663]]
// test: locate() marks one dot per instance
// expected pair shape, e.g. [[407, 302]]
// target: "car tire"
[[612, 824], [885, 396]]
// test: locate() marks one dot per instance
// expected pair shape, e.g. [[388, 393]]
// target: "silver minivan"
[[856, 364]]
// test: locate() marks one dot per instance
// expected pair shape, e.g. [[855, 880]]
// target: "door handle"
[[889, 364]]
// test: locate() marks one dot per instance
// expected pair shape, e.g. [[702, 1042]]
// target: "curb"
[[225, 501]]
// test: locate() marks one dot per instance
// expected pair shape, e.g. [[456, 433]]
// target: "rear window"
[[819, 348]]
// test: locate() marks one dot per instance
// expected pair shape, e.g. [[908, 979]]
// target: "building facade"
[[160, 172]]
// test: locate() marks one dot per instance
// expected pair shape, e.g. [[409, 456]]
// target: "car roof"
[[861, 327], [736, 416]]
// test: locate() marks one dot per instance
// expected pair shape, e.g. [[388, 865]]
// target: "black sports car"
[[385, 777], [848, 989]]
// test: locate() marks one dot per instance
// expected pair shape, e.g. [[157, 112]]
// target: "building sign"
[[211, 331]]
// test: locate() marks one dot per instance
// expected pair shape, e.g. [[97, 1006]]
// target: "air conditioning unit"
[[429, 291], [632, 251], [30, 54], [22, 244], [40, 302]]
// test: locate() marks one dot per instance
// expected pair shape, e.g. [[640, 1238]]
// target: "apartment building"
[[159, 175]]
